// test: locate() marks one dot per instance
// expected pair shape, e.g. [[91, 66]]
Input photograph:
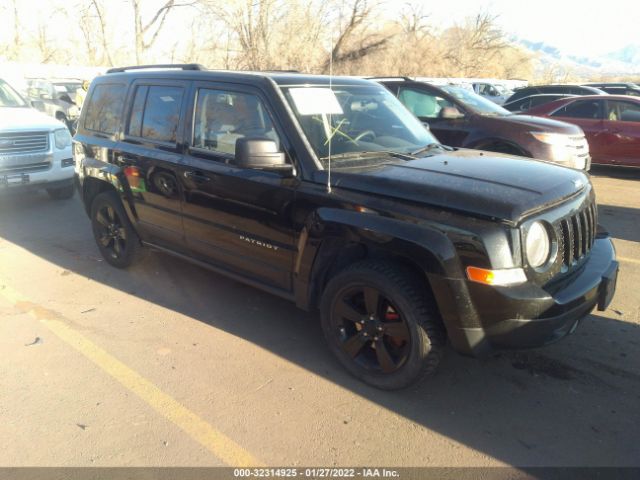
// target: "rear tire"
[[116, 238], [61, 193], [382, 325]]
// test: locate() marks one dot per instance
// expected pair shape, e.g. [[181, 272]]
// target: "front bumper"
[[525, 316], [578, 160], [32, 171]]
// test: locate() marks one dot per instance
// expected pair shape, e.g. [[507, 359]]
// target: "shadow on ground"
[[573, 403], [624, 173], [621, 222]]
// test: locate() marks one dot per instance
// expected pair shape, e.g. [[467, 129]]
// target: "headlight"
[[63, 138], [565, 149], [538, 245], [555, 139]]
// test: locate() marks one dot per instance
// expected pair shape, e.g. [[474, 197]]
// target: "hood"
[[537, 124], [483, 184], [24, 119]]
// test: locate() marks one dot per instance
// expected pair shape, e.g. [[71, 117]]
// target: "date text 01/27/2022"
[[316, 472]]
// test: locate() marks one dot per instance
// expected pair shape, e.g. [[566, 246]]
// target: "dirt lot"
[[169, 365]]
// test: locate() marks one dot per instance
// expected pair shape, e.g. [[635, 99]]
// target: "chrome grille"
[[26, 168], [581, 150], [576, 235], [27, 142]]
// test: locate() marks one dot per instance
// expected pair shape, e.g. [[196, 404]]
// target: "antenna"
[[330, 115]]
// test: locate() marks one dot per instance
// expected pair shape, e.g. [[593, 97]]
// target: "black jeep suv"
[[328, 192]]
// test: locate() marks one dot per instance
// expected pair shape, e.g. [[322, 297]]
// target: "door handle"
[[197, 177]]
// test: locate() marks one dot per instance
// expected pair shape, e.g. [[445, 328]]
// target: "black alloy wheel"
[[117, 240], [381, 323], [112, 235], [371, 330]]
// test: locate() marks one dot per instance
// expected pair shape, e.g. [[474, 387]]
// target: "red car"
[[611, 124]]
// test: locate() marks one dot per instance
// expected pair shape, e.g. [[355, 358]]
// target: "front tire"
[[382, 325], [61, 193], [116, 238]]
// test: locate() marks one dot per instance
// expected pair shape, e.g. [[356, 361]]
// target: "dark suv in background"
[[460, 118], [559, 89], [329, 193], [617, 88], [526, 103]]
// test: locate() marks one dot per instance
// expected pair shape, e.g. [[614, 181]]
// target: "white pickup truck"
[[35, 149], [495, 92]]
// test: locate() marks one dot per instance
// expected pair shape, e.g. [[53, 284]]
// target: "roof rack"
[[399, 77], [280, 71], [180, 66]]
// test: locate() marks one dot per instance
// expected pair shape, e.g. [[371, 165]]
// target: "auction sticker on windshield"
[[315, 101]]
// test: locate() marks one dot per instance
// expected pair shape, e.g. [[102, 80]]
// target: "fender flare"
[[113, 176], [330, 232]]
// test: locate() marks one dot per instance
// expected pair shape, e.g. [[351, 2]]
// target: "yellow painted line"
[[216, 442], [629, 260]]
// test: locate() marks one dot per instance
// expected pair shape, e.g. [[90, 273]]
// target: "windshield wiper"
[[369, 153], [431, 146]]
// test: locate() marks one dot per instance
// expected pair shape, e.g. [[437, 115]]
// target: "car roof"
[[605, 97], [554, 105], [613, 84], [544, 95], [241, 76], [540, 95]]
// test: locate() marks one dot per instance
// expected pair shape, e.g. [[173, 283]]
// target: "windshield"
[[502, 90], [9, 97], [475, 101], [351, 120], [70, 88]]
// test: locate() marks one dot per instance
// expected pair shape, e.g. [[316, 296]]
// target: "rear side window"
[[104, 108], [580, 109], [156, 113], [620, 111], [422, 104]]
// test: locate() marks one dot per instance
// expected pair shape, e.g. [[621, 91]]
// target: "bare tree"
[[472, 47], [268, 35], [252, 24], [103, 35], [47, 51], [146, 33], [354, 41], [12, 50], [413, 21]]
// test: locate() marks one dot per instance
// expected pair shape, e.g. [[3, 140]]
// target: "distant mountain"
[[629, 54], [625, 61]]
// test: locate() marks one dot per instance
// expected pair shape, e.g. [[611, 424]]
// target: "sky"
[[576, 27]]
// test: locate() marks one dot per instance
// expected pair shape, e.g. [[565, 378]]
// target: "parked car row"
[[55, 98], [528, 97], [588, 124], [611, 124], [329, 192], [35, 149], [460, 118]]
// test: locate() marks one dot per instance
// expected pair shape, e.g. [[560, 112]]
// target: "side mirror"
[[37, 104], [45, 96], [261, 154], [451, 113]]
